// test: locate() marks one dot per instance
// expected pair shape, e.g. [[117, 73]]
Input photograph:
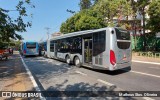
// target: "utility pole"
[[47, 28]]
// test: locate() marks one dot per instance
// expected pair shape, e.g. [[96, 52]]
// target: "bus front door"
[[87, 51]]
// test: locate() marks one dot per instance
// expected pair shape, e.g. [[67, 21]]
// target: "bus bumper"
[[123, 65]]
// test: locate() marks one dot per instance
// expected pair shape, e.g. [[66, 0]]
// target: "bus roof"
[[79, 33], [30, 42]]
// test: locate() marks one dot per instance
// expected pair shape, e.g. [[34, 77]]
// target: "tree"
[[141, 8], [84, 20], [95, 16], [113, 8], [85, 4], [9, 26], [154, 13], [69, 25], [87, 22]]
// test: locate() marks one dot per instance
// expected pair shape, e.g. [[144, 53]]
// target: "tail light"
[[24, 51], [112, 57]]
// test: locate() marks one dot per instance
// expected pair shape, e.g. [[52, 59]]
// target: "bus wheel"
[[77, 62], [68, 59], [43, 54]]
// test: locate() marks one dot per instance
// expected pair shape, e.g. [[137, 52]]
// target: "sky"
[[47, 13]]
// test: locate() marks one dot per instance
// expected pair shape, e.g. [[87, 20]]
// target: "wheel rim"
[[77, 62], [68, 60]]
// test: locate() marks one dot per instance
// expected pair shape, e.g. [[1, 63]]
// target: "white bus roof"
[[79, 33]]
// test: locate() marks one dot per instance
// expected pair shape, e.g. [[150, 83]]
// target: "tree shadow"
[[82, 91], [11, 67]]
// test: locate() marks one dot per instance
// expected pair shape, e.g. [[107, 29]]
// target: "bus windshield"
[[122, 34], [31, 45]]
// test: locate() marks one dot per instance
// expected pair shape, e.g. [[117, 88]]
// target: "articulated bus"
[[30, 48], [106, 48]]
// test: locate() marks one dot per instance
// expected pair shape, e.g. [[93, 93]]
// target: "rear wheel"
[[43, 54], [77, 62], [68, 59]]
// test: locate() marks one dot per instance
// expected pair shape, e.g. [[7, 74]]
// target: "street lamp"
[[47, 28]]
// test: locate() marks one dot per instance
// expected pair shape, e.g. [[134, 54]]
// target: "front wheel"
[[77, 62]]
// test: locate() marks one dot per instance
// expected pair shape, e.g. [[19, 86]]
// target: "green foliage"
[[3, 45], [85, 4], [150, 41], [139, 45], [93, 17], [154, 13], [87, 22], [84, 20], [113, 8], [158, 44], [9, 26]]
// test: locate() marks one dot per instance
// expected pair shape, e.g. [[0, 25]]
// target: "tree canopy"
[[98, 15], [154, 13], [85, 4], [9, 26], [84, 20]]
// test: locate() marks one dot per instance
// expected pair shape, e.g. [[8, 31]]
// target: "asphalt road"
[[53, 75]]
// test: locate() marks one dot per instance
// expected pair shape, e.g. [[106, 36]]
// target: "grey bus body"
[[106, 48]]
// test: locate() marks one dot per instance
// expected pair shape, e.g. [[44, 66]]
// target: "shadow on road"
[[11, 67], [116, 72], [45, 70], [83, 91]]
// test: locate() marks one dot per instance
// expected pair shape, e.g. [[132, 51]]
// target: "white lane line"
[[145, 74], [146, 62], [104, 82], [110, 84], [81, 73], [147, 98], [32, 78]]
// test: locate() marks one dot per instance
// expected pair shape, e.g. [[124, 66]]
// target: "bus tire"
[[43, 54], [77, 62], [129, 68], [68, 59]]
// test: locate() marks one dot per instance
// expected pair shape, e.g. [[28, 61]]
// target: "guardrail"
[[147, 54]]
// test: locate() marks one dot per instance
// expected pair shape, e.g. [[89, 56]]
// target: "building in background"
[[56, 34]]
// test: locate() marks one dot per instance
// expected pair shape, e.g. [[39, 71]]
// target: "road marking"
[[146, 62], [81, 73], [145, 74], [32, 78], [147, 98], [107, 83]]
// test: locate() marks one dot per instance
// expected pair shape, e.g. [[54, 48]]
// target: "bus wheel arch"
[[77, 61], [67, 59]]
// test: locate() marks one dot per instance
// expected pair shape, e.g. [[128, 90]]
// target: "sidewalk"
[[146, 59], [13, 76]]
